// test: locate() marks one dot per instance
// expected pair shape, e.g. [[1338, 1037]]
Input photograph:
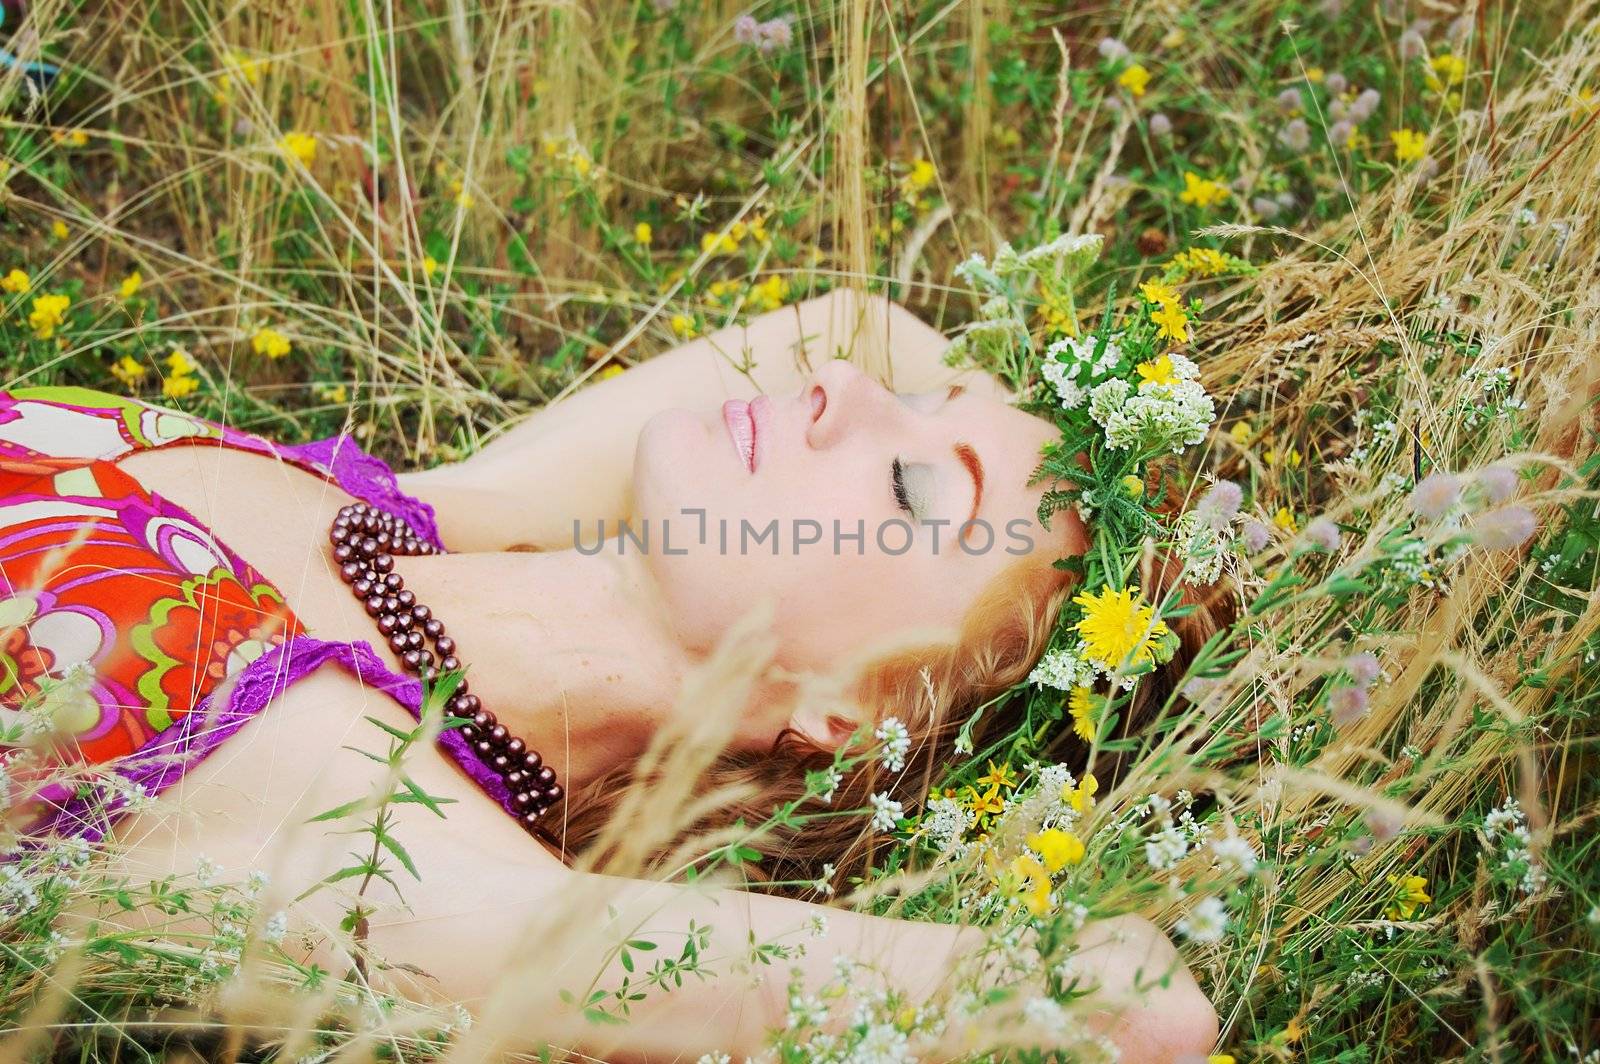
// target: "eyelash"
[[897, 484]]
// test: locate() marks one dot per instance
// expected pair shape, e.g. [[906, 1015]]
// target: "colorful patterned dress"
[[132, 641]]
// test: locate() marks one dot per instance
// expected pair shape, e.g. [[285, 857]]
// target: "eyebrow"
[[969, 458]]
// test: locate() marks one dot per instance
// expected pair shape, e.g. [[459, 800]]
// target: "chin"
[[675, 465]]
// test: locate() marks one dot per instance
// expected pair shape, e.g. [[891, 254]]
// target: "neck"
[[571, 652]]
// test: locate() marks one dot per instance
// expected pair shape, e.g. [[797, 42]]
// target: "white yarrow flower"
[[1165, 848], [896, 740], [1235, 852], [886, 812]]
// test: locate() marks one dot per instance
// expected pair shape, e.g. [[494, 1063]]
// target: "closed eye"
[[912, 485]]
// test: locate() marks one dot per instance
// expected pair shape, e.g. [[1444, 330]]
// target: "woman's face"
[[845, 505]]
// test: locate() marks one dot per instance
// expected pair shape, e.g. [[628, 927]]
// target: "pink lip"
[[746, 425]]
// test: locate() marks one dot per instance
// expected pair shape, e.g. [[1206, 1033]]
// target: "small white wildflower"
[[256, 882], [1206, 921], [714, 1058], [886, 812], [1046, 1013], [1166, 848], [817, 926], [276, 928], [824, 882], [1062, 669], [206, 871], [1235, 852], [896, 741], [832, 777], [946, 825]]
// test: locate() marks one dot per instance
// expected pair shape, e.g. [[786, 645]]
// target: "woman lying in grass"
[[205, 587]]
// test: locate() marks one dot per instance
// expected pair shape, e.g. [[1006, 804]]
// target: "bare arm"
[[574, 458]]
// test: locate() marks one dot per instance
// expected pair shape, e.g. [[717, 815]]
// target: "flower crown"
[[1124, 397]]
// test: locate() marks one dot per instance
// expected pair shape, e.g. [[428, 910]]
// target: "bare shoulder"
[[249, 807]]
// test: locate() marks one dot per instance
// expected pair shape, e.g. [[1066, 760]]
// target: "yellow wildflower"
[[129, 370], [1445, 70], [1082, 705], [1158, 293], [1220, 1058], [72, 138], [179, 385], [1156, 372], [179, 363], [1239, 432], [1173, 324], [643, 234], [1056, 848], [1133, 485], [771, 293], [301, 146], [1202, 191], [1135, 79], [430, 265], [1291, 458], [1118, 627], [270, 342], [17, 283], [1315, 75], [250, 68], [59, 230], [1033, 882], [1056, 313], [988, 801], [49, 313], [1409, 145], [463, 198], [683, 326], [1204, 261], [1410, 893], [1081, 797], [131, 284], [613, 370], [719, 243], [999, 776], [337, 394], [921, 175], [1284, 519]]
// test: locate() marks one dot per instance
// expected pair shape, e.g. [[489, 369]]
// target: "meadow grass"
[[414, 222]]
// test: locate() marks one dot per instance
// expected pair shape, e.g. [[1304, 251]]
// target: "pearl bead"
[[545, 777]]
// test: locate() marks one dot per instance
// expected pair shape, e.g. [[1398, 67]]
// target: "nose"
[[841, 399]]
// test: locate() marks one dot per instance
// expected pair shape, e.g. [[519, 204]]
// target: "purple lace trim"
[[366, 478], [193, 737]]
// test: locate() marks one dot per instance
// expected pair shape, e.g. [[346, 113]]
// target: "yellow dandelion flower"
[[1173, 325], [131, 284], [179, 385], [270, 342], [1409, 145], [683, 326], [49, 314], [17, 283], [129, 370], [643, 234], [1056, 848], [1202, 191], [300, 146], [1284, 519], [430, 265], [1082, 704], [59, 230], [1118, 627], [1135, 79], [1410, 894]]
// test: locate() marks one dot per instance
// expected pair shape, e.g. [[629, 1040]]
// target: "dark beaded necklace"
[[366, 539]]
